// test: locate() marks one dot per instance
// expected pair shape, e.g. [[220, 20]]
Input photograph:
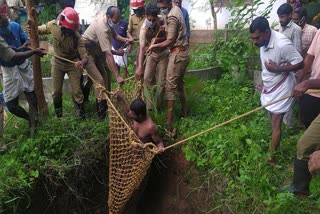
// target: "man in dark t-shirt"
[[121, 61]]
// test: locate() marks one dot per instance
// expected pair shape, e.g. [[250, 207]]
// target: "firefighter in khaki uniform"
[[136, 21], [97, 38], [179, 56], [68, 44], [159, 56]]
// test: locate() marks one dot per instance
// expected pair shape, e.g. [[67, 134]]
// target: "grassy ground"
[[57, 146], [235, 155]]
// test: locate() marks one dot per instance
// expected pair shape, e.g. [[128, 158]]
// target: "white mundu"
[[278, 84]]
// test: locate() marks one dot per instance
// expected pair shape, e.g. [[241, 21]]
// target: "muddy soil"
[[171, 187], [167, 186]]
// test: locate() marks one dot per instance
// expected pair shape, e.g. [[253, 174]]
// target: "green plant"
[[50, 12]]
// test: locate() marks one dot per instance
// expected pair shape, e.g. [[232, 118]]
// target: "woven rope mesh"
[[128, 162]]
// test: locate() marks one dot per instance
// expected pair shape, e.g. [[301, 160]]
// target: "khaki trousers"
[[58, 70], [309, 142], [155, 74], [178, 62], [98, 71]]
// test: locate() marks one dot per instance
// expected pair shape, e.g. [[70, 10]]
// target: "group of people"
[[162, 55], [290, 66], [160, 33]]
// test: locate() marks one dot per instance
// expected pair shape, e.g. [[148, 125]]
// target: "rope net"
[[130, 159]]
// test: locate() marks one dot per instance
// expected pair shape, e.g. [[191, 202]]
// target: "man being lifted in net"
[[143, 125]]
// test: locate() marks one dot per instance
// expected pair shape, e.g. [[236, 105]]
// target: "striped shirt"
[[308, 33]]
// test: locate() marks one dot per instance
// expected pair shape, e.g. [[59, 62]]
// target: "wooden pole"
[[34, 40]]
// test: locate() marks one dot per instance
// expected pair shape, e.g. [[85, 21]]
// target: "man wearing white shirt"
[[279, 58]]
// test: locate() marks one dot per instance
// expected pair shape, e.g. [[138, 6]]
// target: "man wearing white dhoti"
[[279, 59]]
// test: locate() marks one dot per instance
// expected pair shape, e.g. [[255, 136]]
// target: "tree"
[[34, 40], [216, 6]]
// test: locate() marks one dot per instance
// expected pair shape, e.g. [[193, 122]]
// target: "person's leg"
[[14, 107], [149, 79], [33, 107], [86, 84], [101, 97], [308, 143], [125, 64], [170, 87], [77, 95], [183, 66], [161, 76], [12, 86], [57, 74], [26, 73], [181, 63], [310, 109], [100, 61], [276, 121]]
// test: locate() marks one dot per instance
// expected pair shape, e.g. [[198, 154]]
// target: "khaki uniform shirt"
[[66, 46], [147, 34], [176, 28], [6, 53], [100, 32], [135, 24]]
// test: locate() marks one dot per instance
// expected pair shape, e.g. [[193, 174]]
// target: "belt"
[[178, 48]]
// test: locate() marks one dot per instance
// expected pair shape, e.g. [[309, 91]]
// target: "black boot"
[[301, 178], [85, 87], [58, 108], [33, 108], [102, 109], [80, 110]]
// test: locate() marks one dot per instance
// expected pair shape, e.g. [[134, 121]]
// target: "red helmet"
[[3, 8], [69, 18], [135, 4]]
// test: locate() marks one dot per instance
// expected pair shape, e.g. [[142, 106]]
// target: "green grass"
[[237, 152], [53, 149], [201, 56]]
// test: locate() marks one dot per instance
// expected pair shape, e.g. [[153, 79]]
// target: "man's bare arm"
[[273, 67], [305, 85], [156, 138], [113, 67], [21, 56], [308, 61]]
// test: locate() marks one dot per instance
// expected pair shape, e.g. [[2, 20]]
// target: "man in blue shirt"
[[185, 15], [121, 61], [17, 76]]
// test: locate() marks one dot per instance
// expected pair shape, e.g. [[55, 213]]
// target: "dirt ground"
[[172, 186], [167, 187]]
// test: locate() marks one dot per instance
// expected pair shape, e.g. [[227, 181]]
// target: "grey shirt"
[[294, 33]]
